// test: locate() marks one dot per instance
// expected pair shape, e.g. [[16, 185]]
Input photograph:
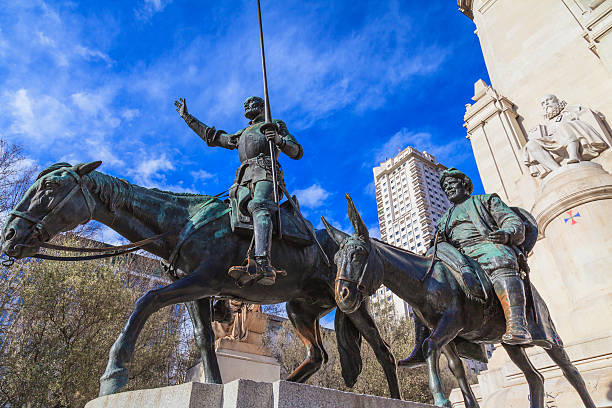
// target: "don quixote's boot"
[[511, 293], [262, 229], [260, 268]]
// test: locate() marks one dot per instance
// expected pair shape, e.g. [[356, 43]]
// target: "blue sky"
[[354, 81]]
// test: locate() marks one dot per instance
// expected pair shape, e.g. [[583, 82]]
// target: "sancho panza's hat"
[[453, 172]]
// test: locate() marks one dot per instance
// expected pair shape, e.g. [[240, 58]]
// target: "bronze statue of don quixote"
[[254, 248]]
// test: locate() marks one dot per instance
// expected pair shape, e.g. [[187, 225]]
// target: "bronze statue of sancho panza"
[[485, 229], [254, 173]]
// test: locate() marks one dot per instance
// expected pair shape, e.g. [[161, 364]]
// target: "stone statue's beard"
[[553, 111]]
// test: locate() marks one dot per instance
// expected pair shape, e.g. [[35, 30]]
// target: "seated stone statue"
[[564, 139]]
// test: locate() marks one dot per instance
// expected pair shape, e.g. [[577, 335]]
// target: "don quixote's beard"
[[253, 113], [555, 110]]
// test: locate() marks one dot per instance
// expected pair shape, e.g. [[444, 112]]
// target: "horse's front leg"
[[200, 312], [116, 375], [362, 319], [447, 329]]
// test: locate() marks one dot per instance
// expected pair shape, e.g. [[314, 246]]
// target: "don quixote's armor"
[[255, 176]]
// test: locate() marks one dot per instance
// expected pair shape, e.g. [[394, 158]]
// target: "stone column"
[[497, 141]]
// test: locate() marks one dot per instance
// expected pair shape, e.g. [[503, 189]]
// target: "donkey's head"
[[58, 201], [355, 277]]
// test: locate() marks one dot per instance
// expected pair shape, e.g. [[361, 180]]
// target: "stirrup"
[[517, 337], [244, 274], [267, 273]]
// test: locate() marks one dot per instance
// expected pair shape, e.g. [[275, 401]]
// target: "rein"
[[40, 225], [107, 252]]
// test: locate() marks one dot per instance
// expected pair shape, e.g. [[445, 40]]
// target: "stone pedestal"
[[241, 360], [246, 394], [240, 350]]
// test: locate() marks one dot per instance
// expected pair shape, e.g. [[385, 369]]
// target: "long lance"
[[268, 123]]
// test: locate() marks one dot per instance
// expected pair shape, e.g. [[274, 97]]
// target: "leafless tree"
[[16, 175]]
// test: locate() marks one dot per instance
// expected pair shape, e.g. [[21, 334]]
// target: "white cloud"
[[39, 119], [450, 153], [90, 103], [129, 114], [90, 54], [149, 171], [201, 175], [370, 189], [148, 8], [374, 231], [101, 150], [312, 197]]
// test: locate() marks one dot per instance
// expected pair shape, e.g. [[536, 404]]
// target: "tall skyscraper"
[[410, 202]]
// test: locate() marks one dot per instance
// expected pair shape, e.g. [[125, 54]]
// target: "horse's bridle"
[[358, 282], [40, 224]]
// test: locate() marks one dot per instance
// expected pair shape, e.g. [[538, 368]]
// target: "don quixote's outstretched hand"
[[181, 107]]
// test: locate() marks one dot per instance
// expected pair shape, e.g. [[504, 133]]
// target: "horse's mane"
[[115, 192], [172, 193], [396, 248]]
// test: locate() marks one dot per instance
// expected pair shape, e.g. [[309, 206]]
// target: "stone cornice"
[[465, 6], [487, 104]]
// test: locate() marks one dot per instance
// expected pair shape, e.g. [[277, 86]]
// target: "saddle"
[[295, 229], [470, 276]]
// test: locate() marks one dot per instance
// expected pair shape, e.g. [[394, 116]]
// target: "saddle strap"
[[189, 229]]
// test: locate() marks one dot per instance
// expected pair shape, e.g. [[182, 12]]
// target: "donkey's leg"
[[560, 357], [183, 290], [200, 312], [456, 366], [305, 319], [362, 319], [447, 329], [534, 378]]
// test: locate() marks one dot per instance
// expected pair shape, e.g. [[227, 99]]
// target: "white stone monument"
[[556, 163], [246, 394], [239, 345]]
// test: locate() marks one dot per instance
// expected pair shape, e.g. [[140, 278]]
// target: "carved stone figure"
[[253, 186], [237, 329], [564, 139]]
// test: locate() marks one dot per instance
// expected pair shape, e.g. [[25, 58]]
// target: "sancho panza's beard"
[[554, 110]]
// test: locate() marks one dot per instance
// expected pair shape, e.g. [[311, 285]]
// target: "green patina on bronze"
[[454, 298], [198, 249], [253, 192]]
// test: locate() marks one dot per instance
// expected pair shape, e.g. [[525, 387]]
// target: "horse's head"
[[58, 201], [354, 278]]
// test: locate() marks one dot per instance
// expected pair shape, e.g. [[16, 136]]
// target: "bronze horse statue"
[[64, 196], [459, 323]]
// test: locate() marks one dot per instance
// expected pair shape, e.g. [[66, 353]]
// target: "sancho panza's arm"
[[210, 135], [507, 220], [286, 142]]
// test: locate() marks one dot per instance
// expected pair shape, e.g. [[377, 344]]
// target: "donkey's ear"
[[358, 225], [86, 168], [337, 235]]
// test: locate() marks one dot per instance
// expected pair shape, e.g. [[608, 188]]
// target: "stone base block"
[[246, 394], [504, 385], [240, 363], [188, 395]]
